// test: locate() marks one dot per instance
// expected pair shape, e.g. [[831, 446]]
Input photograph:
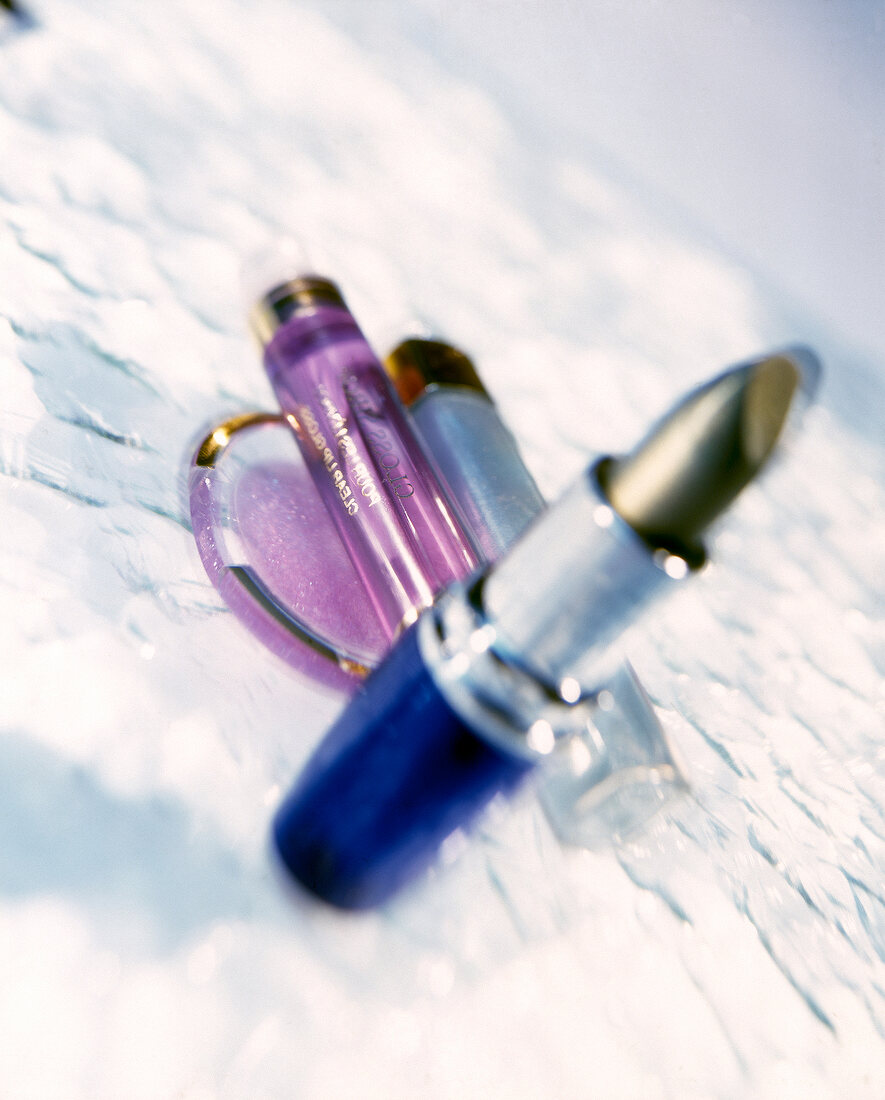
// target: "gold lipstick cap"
[[418, 365]]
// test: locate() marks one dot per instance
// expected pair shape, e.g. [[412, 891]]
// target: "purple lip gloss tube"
[[388, 506], [473, 451]]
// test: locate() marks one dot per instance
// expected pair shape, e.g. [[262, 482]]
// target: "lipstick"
[[387, 505], [505, 670]]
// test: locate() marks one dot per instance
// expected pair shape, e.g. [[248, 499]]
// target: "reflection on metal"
[[215, 442]]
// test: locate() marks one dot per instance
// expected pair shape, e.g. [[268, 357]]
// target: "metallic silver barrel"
[[480, 465], [573, 584]]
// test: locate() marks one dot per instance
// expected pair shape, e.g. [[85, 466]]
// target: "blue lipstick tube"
[[508, 666], [483, 688]]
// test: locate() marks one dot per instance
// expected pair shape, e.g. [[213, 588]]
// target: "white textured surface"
[[146, 949]]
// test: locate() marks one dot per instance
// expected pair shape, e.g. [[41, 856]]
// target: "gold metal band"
[[219, 437], [418, 365], [280, 304]]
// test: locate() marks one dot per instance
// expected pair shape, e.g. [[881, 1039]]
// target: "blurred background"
[[759, 125]]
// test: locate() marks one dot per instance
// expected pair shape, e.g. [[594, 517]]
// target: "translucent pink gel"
[[271, 549]]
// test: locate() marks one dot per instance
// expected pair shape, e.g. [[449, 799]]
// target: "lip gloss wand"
[[381, 492]]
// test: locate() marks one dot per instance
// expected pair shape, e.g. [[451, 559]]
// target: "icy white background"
[[147, 949]]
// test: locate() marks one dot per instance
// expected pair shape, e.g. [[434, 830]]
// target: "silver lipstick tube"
[[526, 673], [582, 556]]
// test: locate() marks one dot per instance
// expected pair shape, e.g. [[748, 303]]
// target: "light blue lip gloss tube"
[[473, 451]]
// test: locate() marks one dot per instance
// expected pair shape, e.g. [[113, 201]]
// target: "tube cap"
[[417, 365], [297, 295]]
